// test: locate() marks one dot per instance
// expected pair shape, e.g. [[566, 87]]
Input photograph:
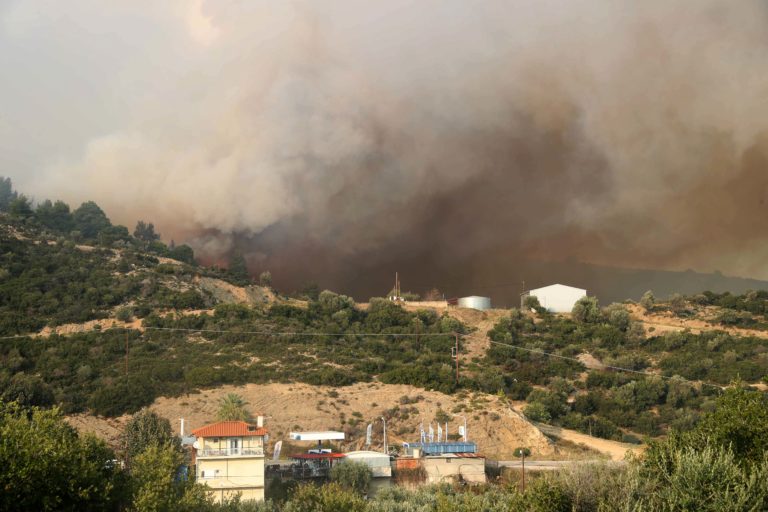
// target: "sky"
[[333, 140]]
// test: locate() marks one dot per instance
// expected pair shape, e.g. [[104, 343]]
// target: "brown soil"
[[231, 294], [496, 428], [106, 323], [475, 346], [613, 449]]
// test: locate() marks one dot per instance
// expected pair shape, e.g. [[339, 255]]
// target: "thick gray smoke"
[[335, 141]]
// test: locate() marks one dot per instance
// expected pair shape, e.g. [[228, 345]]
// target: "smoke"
[[340, 141]]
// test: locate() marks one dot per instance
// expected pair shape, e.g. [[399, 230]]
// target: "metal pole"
[[386, 448], [126, 353], [523, 470]]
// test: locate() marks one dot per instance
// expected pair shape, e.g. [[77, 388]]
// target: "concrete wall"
[[451, 469]]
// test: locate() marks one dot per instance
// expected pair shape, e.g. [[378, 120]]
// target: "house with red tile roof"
[[229, 458]]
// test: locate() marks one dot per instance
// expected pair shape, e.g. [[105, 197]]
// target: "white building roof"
[[366, 454], [553, 287], [328, 435]]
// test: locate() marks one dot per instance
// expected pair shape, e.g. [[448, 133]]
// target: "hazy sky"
[[628, 133]]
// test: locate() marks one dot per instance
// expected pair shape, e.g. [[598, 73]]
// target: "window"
[[209, 473]]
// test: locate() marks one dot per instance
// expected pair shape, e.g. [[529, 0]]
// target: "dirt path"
[[614, 449], [476, 346], [669, 323]]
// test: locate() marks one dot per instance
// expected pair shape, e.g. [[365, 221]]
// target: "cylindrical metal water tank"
[[475, 302]]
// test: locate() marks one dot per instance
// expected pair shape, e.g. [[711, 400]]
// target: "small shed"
[[556, 298], [377, 461]]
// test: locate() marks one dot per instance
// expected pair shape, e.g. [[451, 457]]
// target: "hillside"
[[103, 326], [493, 425]]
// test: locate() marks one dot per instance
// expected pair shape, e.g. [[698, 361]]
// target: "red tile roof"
[[229, 429]]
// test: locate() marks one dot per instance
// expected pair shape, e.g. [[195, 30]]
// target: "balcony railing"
[[230, 452]]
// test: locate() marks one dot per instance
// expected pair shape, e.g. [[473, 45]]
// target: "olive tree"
[[355, 476], [587, 310], [648, 301], [147, 428], [46, 465]]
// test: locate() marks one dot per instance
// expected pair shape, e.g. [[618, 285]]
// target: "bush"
[[351, 475], [705, 479], [126, 395], [147, 428], [325, 498], [47, 466], [648, 301], [587, 310], [536, 411], [124, 314]]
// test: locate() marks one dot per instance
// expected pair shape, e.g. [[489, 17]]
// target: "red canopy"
[[306, 456]]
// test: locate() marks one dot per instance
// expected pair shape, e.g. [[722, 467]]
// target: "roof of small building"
[[229, 429], [310, 456], [556, 286], [366, 454]]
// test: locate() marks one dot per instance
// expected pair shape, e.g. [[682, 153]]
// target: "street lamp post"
[[523, 453]]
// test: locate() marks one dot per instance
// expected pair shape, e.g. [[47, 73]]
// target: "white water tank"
[[475, 302]]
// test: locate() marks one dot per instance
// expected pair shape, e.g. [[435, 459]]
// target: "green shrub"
[[351, 475], [47, 466], [325, 498]]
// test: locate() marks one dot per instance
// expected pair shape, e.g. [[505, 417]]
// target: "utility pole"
[[126, 353]]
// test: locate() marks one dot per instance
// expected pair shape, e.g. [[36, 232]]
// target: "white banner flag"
[[462, 432], [439, 433], [431, 434], [423, 434], [278, 447], [368, 434]]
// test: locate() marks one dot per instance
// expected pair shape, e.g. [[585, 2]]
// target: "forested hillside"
[[172, 327]]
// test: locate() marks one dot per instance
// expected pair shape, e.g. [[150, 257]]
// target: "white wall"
[[558, 298]]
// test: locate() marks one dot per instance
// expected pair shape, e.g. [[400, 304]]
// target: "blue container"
[[441, 448]]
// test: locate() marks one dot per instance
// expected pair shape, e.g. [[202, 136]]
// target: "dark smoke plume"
[[456, 143]]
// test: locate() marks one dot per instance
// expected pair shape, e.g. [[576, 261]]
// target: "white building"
[[229, 458], [556, 298]]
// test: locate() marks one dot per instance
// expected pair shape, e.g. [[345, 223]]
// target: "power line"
[[370, 334]]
